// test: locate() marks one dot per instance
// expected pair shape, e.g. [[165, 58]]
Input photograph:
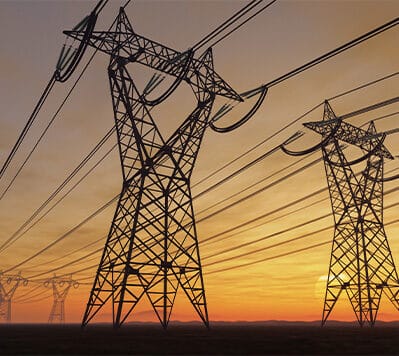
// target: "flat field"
[[270, 338]]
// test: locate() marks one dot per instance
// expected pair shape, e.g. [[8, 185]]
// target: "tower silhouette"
[[361, 261], [8, 286], [61, 287], [152, 246]]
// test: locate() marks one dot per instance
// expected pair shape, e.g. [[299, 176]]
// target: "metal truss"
[[361, 262], [8, 285], [152, 246], [61, 287]]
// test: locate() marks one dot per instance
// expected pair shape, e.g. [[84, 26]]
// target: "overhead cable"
[[311, 64], [326, 242]]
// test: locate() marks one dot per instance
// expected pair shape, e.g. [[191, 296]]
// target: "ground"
[[186, 338]]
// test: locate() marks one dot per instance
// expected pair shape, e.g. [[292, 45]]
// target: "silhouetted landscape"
[[221, 160], [241, 338]]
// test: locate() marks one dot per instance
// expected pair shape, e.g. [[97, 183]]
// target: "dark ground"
[[185, 338]]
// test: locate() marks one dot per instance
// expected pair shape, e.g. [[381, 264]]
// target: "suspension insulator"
[[249, 94], [182, 75], [70, 57], [322, 144], [360, 159]]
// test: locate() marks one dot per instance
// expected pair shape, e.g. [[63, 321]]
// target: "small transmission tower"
[[361, 262], [8, 285], [152, 246], [61, 287]]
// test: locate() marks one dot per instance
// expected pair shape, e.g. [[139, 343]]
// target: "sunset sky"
[[287, 35]]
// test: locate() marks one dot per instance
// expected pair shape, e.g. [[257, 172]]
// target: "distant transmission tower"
[[8, 285], [361, 262], [152, 247], [61, 287]]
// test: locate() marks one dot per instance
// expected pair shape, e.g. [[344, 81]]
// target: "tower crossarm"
[[352, 135], [136, 48]]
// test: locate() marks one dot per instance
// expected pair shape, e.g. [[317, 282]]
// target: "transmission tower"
[[361, 262], [152, 246], [61, 287], [8, 285]]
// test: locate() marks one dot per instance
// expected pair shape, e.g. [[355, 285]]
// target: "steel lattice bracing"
[[361, 262], [152, 247], [60, 287], [8, 286]]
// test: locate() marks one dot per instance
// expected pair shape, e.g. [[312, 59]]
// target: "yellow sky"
[[290, 34]]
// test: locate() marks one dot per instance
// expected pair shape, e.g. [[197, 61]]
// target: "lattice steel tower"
[[361, 262], [152, 246], [8, 286], [61, 287]]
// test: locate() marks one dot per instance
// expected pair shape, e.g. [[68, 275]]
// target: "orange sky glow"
[[282, 38]]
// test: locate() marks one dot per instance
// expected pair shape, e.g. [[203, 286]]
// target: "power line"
[[249, 6], [83, 258], [370, 108], [295, 163], [276, 132], [47, 127], [350, 91], [253, 148], [51, 83], [242, 24], [90, 244], [80, 249], [102, 208], [13, 237], [287, 253], [57, 111], [17, 237], [263, 259], [63, 236], [309, 65], [29, 124], [279, 217], [386, 116], [378, 105], [235, 17], [31, 301], [92, 253], [18, 234], [211, 239], [28, 293], [247, 166], [260, 190], [200, 220], [263, 238], [335, 52]]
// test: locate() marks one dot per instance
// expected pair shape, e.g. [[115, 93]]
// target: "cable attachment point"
[[178, 66], [321, 144], [70, 56], [261, 91]]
